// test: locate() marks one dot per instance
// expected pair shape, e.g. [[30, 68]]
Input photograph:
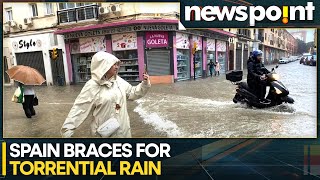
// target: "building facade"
[[275, 43], [240, 47], [144, 36], [29, 39]]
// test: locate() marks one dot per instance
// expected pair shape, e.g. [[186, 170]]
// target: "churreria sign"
[[256, 13]]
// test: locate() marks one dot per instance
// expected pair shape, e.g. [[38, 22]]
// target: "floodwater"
[[201, 108]]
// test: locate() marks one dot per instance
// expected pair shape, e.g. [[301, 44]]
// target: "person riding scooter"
[[256, 77]]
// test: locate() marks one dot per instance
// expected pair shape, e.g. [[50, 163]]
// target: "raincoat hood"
[[101, 63]]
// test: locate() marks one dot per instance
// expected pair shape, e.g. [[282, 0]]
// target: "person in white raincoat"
[[104, 96]]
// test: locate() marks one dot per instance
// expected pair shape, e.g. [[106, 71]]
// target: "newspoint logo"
[[254, 13]]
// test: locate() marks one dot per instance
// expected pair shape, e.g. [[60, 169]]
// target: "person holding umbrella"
[[29, 95], [26, 78], [104, 98]]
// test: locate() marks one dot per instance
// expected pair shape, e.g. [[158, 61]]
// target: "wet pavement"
[[201, 108]]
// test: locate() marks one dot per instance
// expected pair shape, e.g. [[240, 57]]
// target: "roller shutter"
[[158, 62]]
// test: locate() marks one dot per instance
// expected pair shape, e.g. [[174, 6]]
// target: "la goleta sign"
[[157, 39], [117, 30]]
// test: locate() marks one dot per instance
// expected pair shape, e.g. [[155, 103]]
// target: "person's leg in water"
[[26, 107], [262, 89], [33, 112]]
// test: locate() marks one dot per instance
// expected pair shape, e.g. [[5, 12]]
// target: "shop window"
[[129, 67], [81, 66], [198, 63], [183, 64], [211, 56]]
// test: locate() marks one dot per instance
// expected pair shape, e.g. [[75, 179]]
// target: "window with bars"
[[70, 12]]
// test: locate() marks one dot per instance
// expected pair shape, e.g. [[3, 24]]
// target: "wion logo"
[[256, 13]]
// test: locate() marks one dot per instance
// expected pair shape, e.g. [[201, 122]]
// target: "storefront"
[[222, 55], [198, 56], [161, 49], [124, 47], [34, 51], [183, 56], [211, 52], [158, 61]]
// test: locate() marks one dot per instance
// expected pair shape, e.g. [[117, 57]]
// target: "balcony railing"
[[78, 14]]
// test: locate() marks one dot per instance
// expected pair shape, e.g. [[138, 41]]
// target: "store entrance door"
[[57, 69], [245, 55], [158, 62], [239, 56], [32, 59], [245, 58], [231, 60]]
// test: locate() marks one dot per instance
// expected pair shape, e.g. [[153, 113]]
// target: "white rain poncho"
[[98, 98]]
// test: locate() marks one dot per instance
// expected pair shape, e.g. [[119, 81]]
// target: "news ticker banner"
[[91, 157], [249, 13]]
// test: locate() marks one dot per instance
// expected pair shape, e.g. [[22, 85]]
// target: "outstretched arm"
[[80, 110]]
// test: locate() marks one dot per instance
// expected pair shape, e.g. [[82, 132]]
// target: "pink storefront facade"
[[155, 46]]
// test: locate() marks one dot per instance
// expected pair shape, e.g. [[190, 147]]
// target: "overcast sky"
[[310, 33]]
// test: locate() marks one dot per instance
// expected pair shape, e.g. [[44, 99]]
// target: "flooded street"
[[201, 108]]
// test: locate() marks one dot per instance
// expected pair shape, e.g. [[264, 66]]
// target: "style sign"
[[125, 41], [157, 39], [211, 45], [26, 44], [92, 44], [182, 41]]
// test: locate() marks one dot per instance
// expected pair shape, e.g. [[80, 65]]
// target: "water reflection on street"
[[201, 108]]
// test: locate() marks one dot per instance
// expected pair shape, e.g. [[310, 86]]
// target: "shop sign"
[[221, 46], [27, 44], [182, 41], [198, 40], [211, 45], [92, 44], [100, 32], [157, 39], [211, 35], [125, 41]]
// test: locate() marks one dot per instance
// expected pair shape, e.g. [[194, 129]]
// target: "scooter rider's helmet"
[[256, 53]]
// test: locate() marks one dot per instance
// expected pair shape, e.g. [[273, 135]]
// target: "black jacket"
[[255, 70]]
